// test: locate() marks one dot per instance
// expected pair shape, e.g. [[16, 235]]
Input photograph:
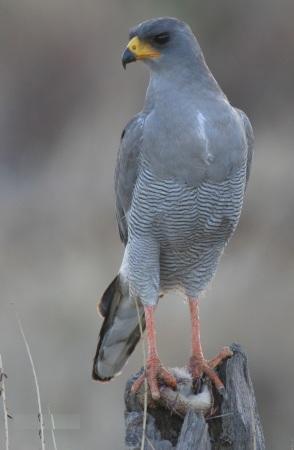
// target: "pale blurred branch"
[[3, 395], [40, 414], [52, 429]]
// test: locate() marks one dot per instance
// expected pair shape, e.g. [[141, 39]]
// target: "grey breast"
[[188, 198], [192, 158], [191, 225]]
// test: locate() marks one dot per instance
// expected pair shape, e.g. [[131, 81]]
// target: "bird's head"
[[163, 42]]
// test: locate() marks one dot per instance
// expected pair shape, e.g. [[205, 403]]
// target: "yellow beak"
[[142, 49], [137, 49]]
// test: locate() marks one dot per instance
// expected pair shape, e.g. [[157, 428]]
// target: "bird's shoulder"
[[128, 153], [248, 129], [131, 134], [247, 126], [127, 169]]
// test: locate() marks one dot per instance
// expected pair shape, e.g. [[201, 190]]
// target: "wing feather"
[[126, 171], [250, 141]]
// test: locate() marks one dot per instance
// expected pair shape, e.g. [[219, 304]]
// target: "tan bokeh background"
[[64, 102]]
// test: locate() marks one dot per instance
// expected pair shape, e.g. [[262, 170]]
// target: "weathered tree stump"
[[183, 420]]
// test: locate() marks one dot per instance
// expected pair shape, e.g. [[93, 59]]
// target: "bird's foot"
[[155, 372], [199, 366]]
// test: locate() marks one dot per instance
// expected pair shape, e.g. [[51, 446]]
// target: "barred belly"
[[177, 233]]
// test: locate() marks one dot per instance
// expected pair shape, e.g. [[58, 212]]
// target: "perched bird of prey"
[[182, 169]]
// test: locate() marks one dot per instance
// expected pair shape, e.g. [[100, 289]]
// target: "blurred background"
[[64, 102]]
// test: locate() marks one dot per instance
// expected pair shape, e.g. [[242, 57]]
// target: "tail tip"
[[96, 376]]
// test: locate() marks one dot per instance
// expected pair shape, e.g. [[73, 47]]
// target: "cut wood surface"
[[183, 420]]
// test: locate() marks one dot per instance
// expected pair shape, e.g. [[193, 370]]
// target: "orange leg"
[[154, 369], [198, 365]]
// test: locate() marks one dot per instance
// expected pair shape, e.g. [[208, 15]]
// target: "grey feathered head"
[[163, 42]]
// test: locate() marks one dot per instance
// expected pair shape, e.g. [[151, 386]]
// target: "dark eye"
[[161, 38]]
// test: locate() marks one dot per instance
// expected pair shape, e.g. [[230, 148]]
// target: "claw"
[[154, 372], [223, 393], [199, 366]]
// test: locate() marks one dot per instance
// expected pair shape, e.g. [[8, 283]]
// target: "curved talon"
[[154, 371], [199, 366], [222, 392], [138, 383], [168, 378], [225, 353], [212, 375]]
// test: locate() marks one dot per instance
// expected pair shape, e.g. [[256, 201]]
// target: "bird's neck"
[[194, 81]]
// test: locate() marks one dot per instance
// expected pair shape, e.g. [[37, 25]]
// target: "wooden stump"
[[182, 420]]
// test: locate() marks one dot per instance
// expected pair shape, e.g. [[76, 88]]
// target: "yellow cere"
[[142, 49]]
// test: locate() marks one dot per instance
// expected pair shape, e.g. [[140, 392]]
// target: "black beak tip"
[[127, 57]]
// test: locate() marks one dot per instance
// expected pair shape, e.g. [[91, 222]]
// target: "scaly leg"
[[154, 369], [198, 365]]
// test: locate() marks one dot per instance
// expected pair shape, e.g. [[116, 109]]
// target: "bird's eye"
[[161, 38]]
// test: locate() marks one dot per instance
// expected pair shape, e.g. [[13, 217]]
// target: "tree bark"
[[183, 420]]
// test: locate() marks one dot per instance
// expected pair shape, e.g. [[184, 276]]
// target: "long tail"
[[120, 331]]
